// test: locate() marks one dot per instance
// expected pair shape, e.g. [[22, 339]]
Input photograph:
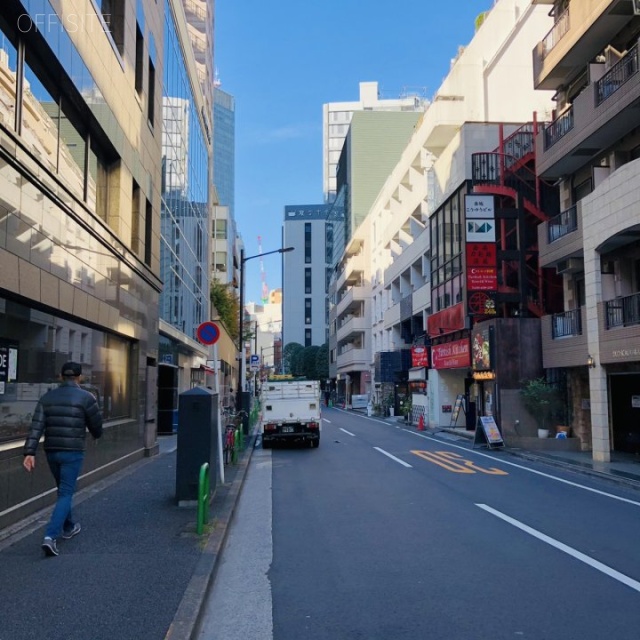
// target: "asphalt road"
[[387, 533]]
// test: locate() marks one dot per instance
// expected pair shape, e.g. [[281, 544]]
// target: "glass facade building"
[[79, 227], [184, 250], [224, 126]]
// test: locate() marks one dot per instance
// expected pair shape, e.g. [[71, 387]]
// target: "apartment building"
[[336, 118], [591, 149], [80, 274], [418, 235]]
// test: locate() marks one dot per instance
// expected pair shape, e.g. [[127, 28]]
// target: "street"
[[389, 533]]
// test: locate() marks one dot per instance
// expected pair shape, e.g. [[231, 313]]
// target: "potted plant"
[[390, 405], [406, 409], [542, 400]]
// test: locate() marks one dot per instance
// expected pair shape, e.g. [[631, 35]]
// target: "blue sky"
[[283, 60]]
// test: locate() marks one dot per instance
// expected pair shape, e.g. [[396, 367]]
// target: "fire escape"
[[523, 201]]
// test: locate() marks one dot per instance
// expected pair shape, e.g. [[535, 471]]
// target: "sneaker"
[[74, 531], [50, 547]]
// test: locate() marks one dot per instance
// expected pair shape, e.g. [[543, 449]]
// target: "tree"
[[542, 400], [288, 353], [322, 362], [225, 302], [297, 362], [309, 358]]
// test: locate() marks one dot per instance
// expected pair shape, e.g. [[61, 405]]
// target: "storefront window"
[[33, 347]]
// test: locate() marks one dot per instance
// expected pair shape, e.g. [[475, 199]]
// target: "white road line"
[[523, 468], [386, 453], [612, 573], [347, 432], [325, 420]]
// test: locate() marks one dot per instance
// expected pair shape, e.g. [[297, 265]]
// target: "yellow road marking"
[[456, 463]]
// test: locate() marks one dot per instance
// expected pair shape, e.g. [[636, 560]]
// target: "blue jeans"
[[65, 467]]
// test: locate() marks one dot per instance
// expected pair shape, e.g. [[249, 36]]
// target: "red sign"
[[419, 357], [481, 303], [451, 355], [481, 254], [482, 279], [446, 321], [208, 333]]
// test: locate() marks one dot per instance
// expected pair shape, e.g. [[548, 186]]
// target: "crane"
[[263, 275]]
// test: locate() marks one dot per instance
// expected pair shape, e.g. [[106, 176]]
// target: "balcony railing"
[[560, 27], [568, 323], [558, 128], [623, 312], [562, 224], [617, 75]]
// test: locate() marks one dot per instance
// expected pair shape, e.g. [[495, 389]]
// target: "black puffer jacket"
[[64, 414]]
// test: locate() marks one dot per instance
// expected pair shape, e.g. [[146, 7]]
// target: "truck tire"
[[265, 444], [315, 443]]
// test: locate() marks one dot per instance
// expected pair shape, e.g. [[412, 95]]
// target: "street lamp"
[[241, 314]]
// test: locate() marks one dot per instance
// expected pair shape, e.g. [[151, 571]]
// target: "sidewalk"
[[136, 571]]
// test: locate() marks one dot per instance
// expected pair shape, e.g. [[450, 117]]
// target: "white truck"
[[290, 412]]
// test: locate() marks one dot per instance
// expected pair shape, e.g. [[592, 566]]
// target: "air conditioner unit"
[[571, 265]]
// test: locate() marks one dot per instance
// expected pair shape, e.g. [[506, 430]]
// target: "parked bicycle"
[[233, 425]]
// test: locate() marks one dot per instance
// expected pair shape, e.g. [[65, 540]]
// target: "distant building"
[[306, 273], [336, 118], [224, 157]]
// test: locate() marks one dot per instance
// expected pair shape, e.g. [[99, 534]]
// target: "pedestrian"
[[63, 415]]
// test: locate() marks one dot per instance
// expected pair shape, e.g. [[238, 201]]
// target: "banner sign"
[[482, 279], [481, 254], [419, 356], [481, 231], [481, 350], [451, 355], [479, 206]]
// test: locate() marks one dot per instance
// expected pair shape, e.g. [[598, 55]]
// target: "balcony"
[[351, 300], [563, 342], [580, 33], [622, 312], [352, 360], [351, 327], [561, 238], [604, 112], [619, 329], [392, 316]]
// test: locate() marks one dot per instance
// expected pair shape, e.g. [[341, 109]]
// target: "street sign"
[[254, 362], [208, 333]]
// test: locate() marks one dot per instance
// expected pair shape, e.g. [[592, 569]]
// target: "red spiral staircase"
[[508, 173]]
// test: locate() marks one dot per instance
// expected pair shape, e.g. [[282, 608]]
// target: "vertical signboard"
[[8, 363], [481, 254]]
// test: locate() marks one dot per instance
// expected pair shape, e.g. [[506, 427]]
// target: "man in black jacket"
[[63, 415]]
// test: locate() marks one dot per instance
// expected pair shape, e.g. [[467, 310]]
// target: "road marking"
[[534, 471], [599, 566], [452, 461], [347, 432], [325, 420], [386, 453]]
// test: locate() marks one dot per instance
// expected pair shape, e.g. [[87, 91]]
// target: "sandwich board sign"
[[487, 433]]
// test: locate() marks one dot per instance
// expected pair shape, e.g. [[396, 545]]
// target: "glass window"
[[8, 79], [307, 280], [40, 118], [220, 229], [307, 311], [307, 337], [135, 217], [38, 344], [97, 189], [113, 15], [139, 75]]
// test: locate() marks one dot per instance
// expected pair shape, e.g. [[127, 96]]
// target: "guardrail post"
[[203, 498]]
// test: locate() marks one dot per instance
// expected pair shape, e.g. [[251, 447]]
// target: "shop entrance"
[[625, 412]]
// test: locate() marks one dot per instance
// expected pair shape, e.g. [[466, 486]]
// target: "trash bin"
[[197, 442]]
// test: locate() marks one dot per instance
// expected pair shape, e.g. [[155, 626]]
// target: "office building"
[[305, 274], [80, 200]]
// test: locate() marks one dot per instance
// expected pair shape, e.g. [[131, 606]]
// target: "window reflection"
[[8, 75], [45, 343]]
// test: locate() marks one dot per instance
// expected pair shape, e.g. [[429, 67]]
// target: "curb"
[[186, 622]]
